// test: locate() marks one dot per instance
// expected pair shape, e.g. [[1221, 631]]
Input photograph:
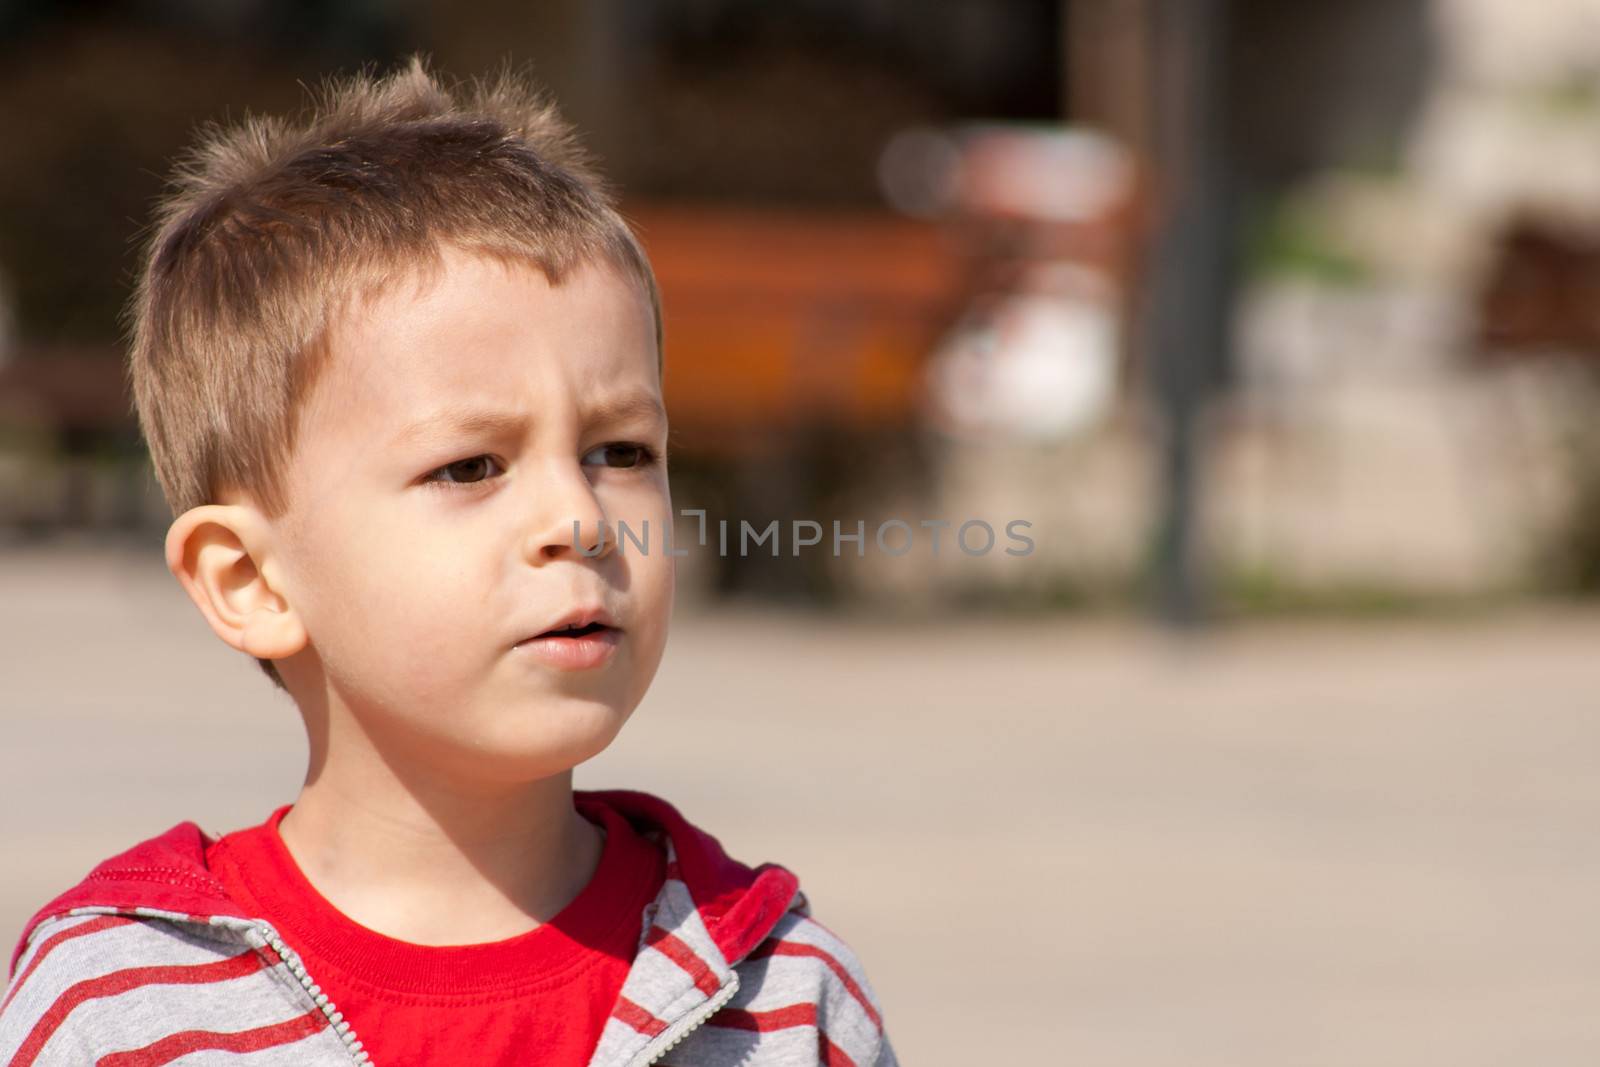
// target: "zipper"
[[710, 1008], [297, 967]]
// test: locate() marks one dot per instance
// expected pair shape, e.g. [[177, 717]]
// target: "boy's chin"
[[527, 751]]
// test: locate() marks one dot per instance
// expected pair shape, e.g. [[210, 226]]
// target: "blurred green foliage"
[[1286, 240]]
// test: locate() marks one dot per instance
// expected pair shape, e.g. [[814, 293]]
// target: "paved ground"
[[1050, 842]]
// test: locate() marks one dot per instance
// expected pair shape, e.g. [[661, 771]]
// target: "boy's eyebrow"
[[458, 420], [467, 421], [630, 405]]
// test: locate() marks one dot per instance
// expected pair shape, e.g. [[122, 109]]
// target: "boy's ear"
[[219, 554]]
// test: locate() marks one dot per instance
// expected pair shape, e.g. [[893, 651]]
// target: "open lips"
[[586, 639], [582, 621], [571, 630]]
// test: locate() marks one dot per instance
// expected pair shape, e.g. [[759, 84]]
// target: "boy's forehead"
[[461, 329]]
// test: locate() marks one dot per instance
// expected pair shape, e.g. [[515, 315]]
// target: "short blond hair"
[[270, 225]]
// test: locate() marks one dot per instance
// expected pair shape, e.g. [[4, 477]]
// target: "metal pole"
[[1192, 282]]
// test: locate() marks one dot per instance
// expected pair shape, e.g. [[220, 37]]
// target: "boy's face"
[[421, 554]]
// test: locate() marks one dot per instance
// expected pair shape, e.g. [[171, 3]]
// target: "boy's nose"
[[568, 519]]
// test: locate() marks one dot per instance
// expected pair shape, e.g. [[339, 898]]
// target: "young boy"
[[399, 370]]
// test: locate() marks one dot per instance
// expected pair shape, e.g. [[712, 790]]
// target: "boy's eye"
[[620, 454], [463, 471]]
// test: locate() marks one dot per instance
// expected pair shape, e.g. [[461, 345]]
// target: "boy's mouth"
[[573, 646], [586, 637], [579, 622], [576, 631]]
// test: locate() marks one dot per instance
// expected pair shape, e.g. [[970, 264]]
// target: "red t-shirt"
[[540, 997]]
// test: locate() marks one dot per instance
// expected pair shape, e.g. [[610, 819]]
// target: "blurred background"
[[1280, 324]]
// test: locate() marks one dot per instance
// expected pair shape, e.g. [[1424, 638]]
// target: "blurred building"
[[909, 264], [1368, 446]]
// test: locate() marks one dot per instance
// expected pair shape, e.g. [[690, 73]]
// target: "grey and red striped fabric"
[[148, 962]]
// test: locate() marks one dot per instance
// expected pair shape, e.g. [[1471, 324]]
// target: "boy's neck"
[[440, 867]]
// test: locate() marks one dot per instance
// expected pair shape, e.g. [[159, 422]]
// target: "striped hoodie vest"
[[147, 961]]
